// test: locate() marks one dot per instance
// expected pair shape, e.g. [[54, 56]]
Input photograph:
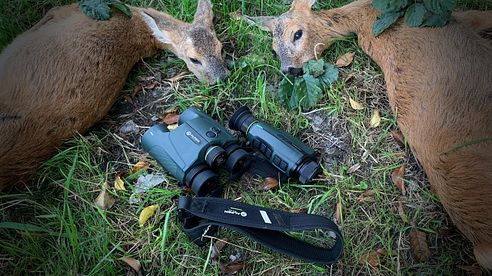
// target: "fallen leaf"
[[104, 200], [375, 119], [269, 183], [353, 168], [146, 213], [372, 258], [338, 212], [137, 88], [119, 184], [418, 245], [170, 118], [140, 166], [145, 182], [355, 105], [151, 85], [237, 15], [345, 60], [398, 136], [232, 267], [349, 76], [397, 177], [135, 264], [128, 127], [298, 210], [369, 194], [178, 77], [473, 270], [218, 246], [172, 127], [401, 212]]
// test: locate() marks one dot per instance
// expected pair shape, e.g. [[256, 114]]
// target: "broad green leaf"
[[314, 67], [121, 7], [330, 75], [384, 21], [298, 93], [285, 89], [414, 16], [443, 7], [96, 9], [389, 6], [313, 91], [436, 20]]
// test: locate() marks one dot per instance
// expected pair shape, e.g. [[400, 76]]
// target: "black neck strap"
[[202, 215]]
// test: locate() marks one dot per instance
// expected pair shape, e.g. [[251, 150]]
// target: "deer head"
[[195, 43]]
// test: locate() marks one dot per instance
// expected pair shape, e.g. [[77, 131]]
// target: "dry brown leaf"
[[135, 264], [119, 184], [172, 127], [141, 165], [345, 60], [178, 77], [171, 118], [473, 270], [397, 177], [298, 210], [418, 246], [151, 85], [146, 213], [375, 119], [353, 168], [398, 136], [237, 15], [401, 212], [369, 194], [355, 105], [338, 212], [137, 88], [349, 76], [372, 258], [218, 246], [269, 183], [232, 267], [104, 200]]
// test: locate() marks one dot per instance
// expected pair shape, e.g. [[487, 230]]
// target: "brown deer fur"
[[439, 85], [63, 75]]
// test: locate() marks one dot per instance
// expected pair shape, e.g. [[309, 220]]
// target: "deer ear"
[[160, 35], [302, 5], [265, 23], [204, 14]]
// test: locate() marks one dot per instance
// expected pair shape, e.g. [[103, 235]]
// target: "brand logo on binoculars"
[[236, 211], [192, 137]]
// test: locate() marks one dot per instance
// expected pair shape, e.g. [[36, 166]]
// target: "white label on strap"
[[265, 217]]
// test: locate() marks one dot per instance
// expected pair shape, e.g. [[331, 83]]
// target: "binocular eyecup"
[[202, 180], [241, 119]]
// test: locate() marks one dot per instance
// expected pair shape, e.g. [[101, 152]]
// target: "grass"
[[54, 227]]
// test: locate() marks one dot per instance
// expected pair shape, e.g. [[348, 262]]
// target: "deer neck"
[[356, 17]]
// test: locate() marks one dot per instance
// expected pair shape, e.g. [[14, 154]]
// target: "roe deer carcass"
[[439, 85], [63, 75]]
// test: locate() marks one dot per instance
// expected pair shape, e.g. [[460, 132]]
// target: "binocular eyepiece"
[[284, 151]]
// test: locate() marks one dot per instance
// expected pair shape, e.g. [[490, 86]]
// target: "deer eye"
[[195, 61], [298, 35]]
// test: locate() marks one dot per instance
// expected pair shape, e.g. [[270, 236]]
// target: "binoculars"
[[200, 146]]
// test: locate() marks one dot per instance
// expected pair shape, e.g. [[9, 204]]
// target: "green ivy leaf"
[[313, 91], [285, 89], [388, 6], [121, 7], [384, 22], [330, 75], [443, 7], [436, 20], [96, 9], [414, 16], [314, 67]]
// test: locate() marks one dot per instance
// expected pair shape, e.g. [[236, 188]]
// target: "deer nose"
[[296, 72]]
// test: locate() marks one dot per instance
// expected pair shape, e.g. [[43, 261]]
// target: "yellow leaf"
[[345, 60], [104, 200], [140, 165], [355, 105], [338, 212], [172, 127], [146, 213], [375, 119], [119, 184], [135, 264]]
